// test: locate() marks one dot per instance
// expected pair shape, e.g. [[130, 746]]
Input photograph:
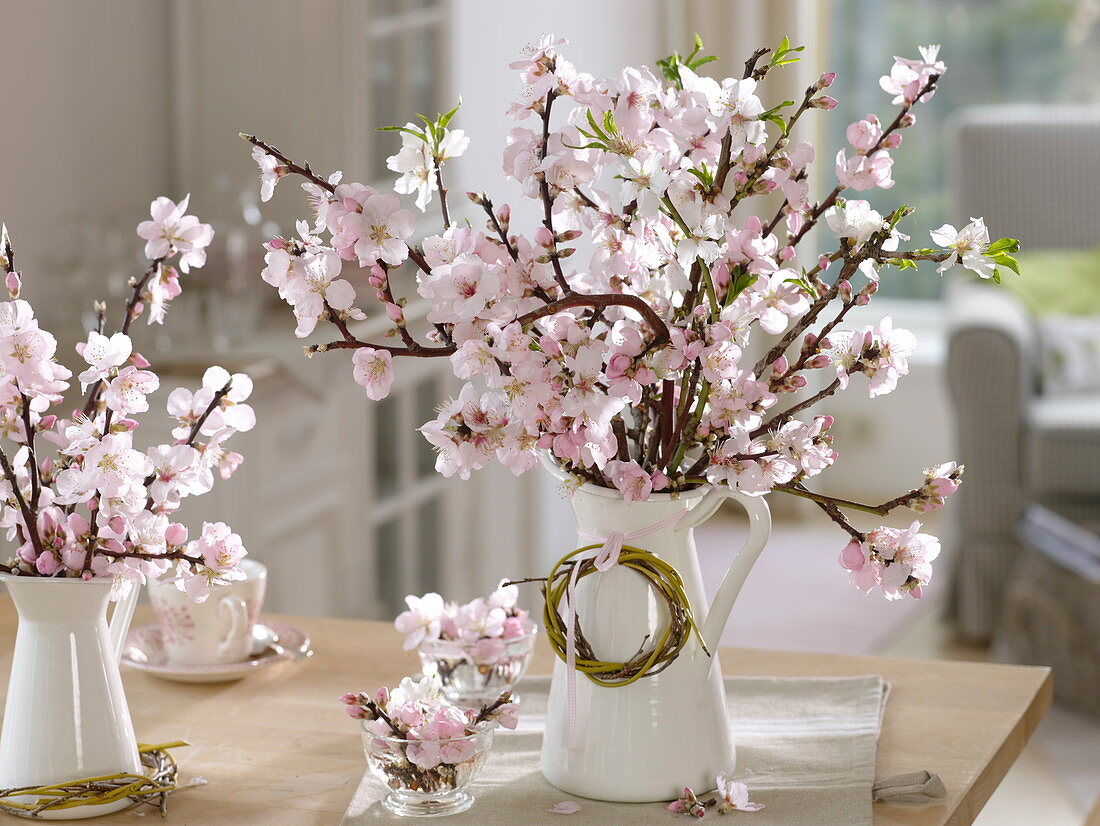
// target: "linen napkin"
[[805, 748]]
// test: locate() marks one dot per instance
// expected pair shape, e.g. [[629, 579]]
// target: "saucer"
[[272, 642]]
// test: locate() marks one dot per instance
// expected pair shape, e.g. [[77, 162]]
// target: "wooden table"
[[278, 749]]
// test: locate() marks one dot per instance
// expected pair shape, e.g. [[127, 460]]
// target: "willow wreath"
[[652, 657]]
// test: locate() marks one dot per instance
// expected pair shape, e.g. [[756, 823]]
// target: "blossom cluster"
[[485, 621], [95, 505], [615, 336], [433, 731], [730, 797]]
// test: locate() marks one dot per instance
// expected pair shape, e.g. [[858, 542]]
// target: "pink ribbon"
[[607, 557]]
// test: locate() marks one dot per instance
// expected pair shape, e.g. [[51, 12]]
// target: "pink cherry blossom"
[[854, 221], [422, 619], [907, 77], [375, 232], [968, 246], [894, 348], [940, 482], [271, 171], [734, 796], [171, 231], [862, 172], [633, 482], [103, 355], [127, 391], [373, 371], [776, 301], [864, 135], [687, 804], [163, 287], [564, 807]]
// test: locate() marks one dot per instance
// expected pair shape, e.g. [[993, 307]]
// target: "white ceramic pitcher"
[[66, 715], [646, 741]]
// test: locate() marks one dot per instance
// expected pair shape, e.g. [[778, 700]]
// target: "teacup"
[[214, 632]]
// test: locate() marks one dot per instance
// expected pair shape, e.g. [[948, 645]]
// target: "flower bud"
[[780, 365], [14, 284], [863, 300], [569, 235], [892, 141], [819, 361], [46, 423], [348, 698], [824, 102], [870, 289], [844, 289], [544, 237], [475, 198], [825, 81], [140, 362], [175, 534], [786, 254], [763, 186], [824, 262], [907, 120], [796, 382], [851, 558], [504, 214]]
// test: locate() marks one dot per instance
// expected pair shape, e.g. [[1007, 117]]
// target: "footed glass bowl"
[[477, 673], [427, 778]]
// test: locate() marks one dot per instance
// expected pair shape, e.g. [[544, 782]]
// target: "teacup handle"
[[235, 610]]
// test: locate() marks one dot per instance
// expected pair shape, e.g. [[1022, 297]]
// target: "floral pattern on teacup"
[[177, 626]]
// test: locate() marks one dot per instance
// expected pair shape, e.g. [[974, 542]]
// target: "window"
[[1010, 51], [405, 57], [413, 508]]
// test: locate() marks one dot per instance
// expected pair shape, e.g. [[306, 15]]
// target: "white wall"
[[86, 138]]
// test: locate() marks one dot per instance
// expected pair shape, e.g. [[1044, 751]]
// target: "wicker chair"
[[1034, 173]]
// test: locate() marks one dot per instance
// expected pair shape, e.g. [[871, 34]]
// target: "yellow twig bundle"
[[31, 801]]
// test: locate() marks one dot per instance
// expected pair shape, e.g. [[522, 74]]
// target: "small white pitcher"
[[645, 741], [66, 715]]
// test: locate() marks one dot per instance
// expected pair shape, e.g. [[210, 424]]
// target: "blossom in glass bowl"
[[424, 749], [477, 649]]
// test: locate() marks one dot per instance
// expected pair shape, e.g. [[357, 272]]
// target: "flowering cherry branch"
[[100, 508], [622, 356]]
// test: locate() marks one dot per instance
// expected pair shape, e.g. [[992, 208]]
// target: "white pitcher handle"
[[760, 530], [236, 610], [120, 619]]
